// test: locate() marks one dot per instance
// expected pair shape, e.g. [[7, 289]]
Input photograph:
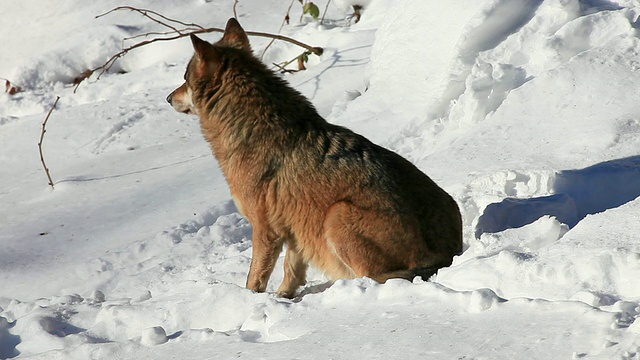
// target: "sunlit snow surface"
[[525, 111]]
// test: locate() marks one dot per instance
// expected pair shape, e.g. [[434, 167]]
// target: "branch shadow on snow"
[[336, 61], [72, 179], [578, 193]]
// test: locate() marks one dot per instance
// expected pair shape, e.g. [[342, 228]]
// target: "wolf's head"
[[203, 72]]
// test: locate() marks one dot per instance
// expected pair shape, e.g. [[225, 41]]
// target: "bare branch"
[[283, 70], [109, 63], [146, 12], [284, 21], [44, 124], [314, 49], [190, 29], [161, 33], [301, 59], [235, 13], [325, 11]]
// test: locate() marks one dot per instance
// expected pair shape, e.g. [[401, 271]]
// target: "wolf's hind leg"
[[363, 240], [295, 272]]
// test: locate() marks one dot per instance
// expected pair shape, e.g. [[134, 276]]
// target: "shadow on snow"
[[578, 193], [8, 341]]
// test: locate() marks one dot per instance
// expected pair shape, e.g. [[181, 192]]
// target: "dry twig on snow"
[[284, 21], [10, 87], [325, 11], [44, 130], [235, 13]]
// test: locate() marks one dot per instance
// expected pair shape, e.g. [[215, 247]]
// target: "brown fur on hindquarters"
[[338, 201]]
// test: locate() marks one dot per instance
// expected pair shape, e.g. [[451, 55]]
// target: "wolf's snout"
[[179, 100]]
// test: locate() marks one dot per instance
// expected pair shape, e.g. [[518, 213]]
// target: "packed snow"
[[523, 110]]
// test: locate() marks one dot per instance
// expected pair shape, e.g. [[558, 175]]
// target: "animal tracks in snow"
[[117, 131]]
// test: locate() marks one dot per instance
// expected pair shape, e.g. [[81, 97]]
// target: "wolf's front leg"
[[266, 250], [295, 272]]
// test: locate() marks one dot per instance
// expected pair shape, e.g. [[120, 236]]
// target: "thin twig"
[[109, 63], [145, 13], [191, 29], [284, 21], [235, 14], [283, 70], [302, 12], [325, 11], [314, 49], [300, 58], [44, 130], [162, 33]]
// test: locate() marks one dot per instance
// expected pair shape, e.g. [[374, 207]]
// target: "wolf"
[[335, 199]]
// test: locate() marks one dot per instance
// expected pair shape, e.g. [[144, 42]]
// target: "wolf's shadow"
[[578, 193]]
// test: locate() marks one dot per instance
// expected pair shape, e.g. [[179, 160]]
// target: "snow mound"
[[547, 260]]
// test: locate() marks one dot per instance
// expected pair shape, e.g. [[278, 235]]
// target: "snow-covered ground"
[[526, 111]]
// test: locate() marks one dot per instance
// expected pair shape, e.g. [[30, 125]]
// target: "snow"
[[523, 110]]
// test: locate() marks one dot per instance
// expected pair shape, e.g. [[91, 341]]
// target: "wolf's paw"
[[286, 293]]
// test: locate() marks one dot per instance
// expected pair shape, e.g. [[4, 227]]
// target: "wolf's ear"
[[200, 46], [206, 58], [235, 36]]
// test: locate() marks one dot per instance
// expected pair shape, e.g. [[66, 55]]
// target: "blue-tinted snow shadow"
[[8, 341], [592, 6], [578, 193]]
